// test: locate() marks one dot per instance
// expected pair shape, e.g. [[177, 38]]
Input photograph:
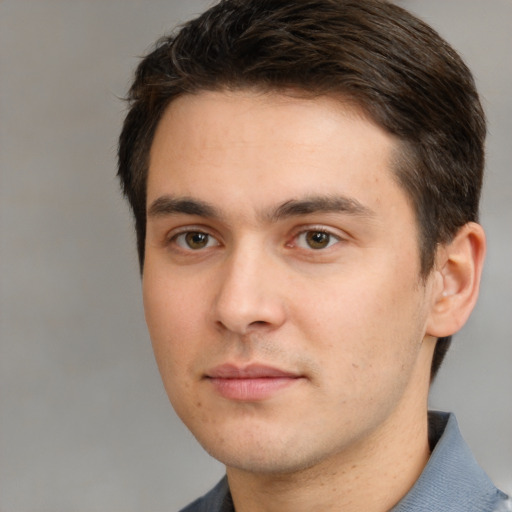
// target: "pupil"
[[317, 239], [197, 240]]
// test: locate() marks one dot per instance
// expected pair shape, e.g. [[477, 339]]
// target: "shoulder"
[[216, 500]]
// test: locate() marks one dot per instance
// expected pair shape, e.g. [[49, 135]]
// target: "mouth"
[[250, 383]]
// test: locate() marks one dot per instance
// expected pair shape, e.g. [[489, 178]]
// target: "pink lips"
[[249, 383]]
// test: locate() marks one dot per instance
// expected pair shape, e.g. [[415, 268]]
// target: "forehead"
[[267, 147]]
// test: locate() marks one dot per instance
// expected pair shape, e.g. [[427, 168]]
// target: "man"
[[305, 179]]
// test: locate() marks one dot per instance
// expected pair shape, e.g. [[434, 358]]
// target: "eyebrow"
[[321, 204], [168, 205]]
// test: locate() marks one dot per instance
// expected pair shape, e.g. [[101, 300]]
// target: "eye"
[[194, 240], [316, 239]]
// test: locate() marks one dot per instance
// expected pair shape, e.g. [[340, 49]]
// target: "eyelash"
[[332, 238], [174, 239]]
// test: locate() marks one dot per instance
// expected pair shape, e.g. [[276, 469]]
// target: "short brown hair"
[[393, 66]]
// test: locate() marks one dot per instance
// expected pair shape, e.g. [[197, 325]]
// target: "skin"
[[277, 236]]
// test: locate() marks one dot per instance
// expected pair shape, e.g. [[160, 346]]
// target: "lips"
[[250, 383]]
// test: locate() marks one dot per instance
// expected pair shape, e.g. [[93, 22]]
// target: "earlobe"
[[458, 270]]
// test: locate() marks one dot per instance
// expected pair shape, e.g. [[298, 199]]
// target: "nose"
[[250, 296]]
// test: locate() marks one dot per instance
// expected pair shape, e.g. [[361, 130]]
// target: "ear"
[[457, 280]]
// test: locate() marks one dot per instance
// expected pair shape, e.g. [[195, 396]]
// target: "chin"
[[268, 462], [264, 454]]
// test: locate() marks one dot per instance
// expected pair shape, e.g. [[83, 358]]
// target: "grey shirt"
[[452, 480]]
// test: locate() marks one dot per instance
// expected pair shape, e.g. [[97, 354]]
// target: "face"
[[281, 283]]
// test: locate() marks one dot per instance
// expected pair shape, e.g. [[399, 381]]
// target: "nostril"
[[258, 322]]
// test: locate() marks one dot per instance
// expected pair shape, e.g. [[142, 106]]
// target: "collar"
[[452, 479]]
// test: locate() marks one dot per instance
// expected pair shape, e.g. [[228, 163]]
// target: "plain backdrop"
[[85, 424]]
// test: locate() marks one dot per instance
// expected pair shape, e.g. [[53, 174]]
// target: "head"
[[369, 54]]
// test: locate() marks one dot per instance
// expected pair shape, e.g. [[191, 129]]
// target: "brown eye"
[[195, 240], [318, 239]]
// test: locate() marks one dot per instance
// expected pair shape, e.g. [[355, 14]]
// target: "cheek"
[[171, 302], [363, 322], [173, 327], [172, 320]]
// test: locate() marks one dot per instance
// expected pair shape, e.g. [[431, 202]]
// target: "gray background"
[[84, 422]]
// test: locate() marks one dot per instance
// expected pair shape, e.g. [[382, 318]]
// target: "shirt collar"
[[452, 479]]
